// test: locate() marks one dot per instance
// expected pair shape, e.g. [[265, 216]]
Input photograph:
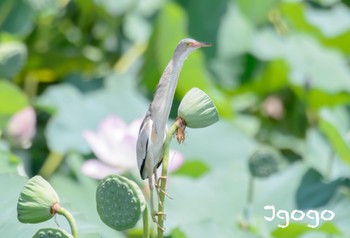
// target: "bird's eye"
[[188, 43]]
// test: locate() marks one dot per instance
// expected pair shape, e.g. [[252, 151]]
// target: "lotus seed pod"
[[52, 233], [197, 109], [264, 162], [119, 202], [35, 201], [138, 192]]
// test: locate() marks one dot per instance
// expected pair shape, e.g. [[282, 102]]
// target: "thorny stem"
[[163, 180], [62, 211]]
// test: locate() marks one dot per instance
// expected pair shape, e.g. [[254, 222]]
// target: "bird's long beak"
[[205, 44], [201, 44]]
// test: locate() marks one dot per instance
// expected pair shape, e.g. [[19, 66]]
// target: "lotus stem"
[[163, 181]]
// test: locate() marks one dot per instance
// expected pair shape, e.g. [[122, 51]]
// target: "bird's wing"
[[142, 145]]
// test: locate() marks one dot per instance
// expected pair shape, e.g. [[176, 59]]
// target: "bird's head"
[[187, 45]]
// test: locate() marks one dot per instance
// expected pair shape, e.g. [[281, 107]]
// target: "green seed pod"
[[197, 109], [35, 201], [119, 202], [52, 233], [264, 162]]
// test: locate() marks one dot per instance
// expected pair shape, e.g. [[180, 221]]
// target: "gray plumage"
[[149, 146], [153, 129]]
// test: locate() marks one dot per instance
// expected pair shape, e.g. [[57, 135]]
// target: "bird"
[[152, 132]]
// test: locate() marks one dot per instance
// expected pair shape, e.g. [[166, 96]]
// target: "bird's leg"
[[153, 211], [157, 184]]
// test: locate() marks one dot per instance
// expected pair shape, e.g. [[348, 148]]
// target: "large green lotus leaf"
[[61, 63], [325, 69], [340, 42], [314, 193], [230, 186], [257, 11], [338, 226], [216, 145], [295, 15], [274, 77], [46, 6], [76, 112], [17, 17], [318, 153], [114, 8], [266, 44], [234, 21], [339, 205], [8, 162], [334, 125], [296, 230], [177, 233], [205, 28], [308, 61], [192, 169], [137, 28], [11, 227], [12, 100], [327, 3], [332, 22], [160, 50], [227, 181], [317, 99], [13, 55], [212, 229]]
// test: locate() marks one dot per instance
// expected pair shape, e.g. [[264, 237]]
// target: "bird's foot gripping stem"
[[155, 216], [159, 189]]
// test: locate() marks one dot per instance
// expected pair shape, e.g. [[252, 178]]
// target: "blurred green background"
[[278, 73]]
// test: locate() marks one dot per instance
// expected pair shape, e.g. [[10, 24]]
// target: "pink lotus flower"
[[21, 127], [114, 145]]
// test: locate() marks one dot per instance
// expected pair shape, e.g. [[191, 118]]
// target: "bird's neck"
[[164, 95]]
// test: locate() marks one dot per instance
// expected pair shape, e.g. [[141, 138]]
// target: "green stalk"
[[163, 181], [52, 162], [70, 219], [250, 190], [145, 223], [248, 207], [132, 54]]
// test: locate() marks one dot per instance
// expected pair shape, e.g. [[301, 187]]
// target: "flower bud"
[[21, 127], [197, 109], [36, 200]]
